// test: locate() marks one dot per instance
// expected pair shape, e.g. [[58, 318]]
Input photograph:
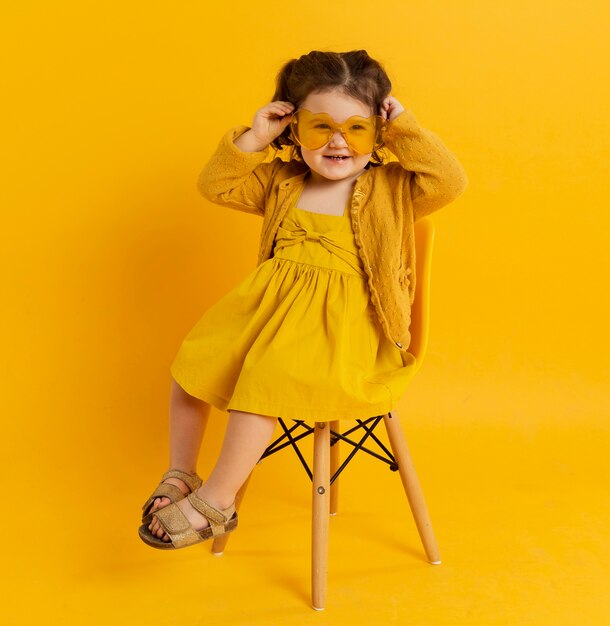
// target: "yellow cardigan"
[[386, 201]]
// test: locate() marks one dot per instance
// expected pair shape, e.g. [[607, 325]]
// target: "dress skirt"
[[298, 338]]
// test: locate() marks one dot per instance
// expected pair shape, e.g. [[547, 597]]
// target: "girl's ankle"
[[221, 502]]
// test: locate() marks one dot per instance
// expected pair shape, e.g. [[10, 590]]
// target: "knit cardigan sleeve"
[[434, 175], [235, 178]]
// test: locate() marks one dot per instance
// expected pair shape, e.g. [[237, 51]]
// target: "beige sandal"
[[167, 490], [181, 532]]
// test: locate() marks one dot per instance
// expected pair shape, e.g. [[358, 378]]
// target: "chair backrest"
[[420, 309]]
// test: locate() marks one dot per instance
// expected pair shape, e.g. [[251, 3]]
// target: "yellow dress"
[[297, 338]]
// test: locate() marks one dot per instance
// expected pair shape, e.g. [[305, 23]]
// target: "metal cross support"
[[277, 445]]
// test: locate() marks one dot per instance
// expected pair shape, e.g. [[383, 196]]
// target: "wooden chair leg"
[[220, 543], [335, 462], [411, 486], [320, 511]]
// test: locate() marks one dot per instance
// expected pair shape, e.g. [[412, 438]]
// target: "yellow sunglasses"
[[314, 130]]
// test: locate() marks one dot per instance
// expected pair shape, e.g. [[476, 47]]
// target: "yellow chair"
[[326, 460]]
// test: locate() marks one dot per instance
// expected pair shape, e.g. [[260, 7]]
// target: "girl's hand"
[[271, 120], [390, 108]]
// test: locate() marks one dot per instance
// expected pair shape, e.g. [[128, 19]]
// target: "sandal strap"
[[217, 517], [179, 529], [165, 490], [177, 526], [193, 481]]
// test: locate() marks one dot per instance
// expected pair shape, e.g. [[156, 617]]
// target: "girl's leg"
[[188, 418], [246, 438]]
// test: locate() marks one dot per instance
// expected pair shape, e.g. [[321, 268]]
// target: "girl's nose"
[[337, 140]]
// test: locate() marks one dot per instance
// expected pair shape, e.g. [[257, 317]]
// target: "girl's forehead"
[[337, 104]]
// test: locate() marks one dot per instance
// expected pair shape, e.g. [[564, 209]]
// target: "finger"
[[279, 112], [287, 106]]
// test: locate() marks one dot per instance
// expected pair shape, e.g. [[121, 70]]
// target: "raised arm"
[[236, 175], [235, 178], [437, 177]]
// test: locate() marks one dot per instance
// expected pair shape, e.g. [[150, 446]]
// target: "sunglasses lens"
[[314, 130], [362, 133]]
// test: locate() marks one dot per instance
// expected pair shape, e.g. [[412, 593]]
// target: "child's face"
[[340, 107]]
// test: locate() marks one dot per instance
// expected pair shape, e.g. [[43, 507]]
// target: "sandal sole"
[[154, 542]]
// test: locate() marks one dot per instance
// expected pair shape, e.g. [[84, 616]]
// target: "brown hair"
[[355, 72]]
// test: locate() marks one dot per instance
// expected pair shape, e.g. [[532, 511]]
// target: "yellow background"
[[110, 256]]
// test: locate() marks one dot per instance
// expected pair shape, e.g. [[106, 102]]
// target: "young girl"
[[319, 330]]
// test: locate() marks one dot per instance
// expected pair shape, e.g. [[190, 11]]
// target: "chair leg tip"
[[435, 562], [317, 608], [218, 553]]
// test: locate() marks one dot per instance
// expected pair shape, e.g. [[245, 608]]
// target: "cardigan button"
[[399, 344]]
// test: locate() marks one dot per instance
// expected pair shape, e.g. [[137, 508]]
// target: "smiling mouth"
[[336, 158]]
